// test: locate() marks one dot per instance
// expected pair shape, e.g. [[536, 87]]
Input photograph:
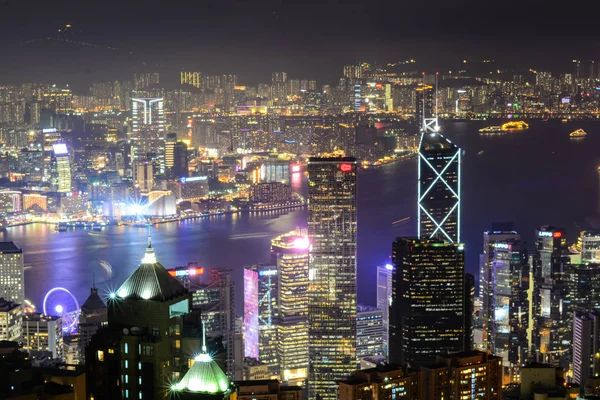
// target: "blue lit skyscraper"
[[438, 186]]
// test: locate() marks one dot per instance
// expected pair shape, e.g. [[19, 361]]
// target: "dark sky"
[[310, 39]]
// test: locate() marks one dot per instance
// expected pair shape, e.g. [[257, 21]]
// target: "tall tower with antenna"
[[438, 179]]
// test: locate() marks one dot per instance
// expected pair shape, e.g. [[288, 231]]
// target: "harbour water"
[[533, 177]]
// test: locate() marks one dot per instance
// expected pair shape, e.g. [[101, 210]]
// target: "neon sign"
[[545, 234], [187, 272], [346, 167]]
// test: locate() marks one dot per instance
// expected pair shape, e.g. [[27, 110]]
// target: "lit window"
[[100, 355], [126, 348]]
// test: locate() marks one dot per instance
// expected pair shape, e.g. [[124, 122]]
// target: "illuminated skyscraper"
[[176, 162], [384, 300], [332, 273], [191, 78], [438, 186], [11, 273], [261, 295], [507, 300], [424, 105], [148, 126], [144, 179], [61, 171], [290, 253], [550, 296], [498, 234], [369, 332], [428, 302]]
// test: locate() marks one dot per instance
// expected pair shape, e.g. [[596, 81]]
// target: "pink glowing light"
[[301, 243]]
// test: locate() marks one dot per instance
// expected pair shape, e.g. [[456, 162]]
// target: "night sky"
[[311, 39]]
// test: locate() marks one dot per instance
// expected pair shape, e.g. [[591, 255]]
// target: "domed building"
[[142, 350], [204, 380]]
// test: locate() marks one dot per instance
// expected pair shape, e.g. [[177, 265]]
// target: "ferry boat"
[[579, 133], [492, 129], [515, 125]]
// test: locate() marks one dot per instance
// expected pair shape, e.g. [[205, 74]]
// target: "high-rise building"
[[384, 300], [142, 348], [176, 162], [278, 87], [214, 297], [369, 332], [576, 69], [507, 298], [12, 283], [438, 186], [551, 332], [11, 321], [261, 296], [500, 233], [289, 252], [586, 346], [191, 78], [61, 168], [428, 304], [424, 105], [43, 336], [332, 273], [147, 116], [144, 178], [590, 247], [147, 127], [10, 201], [468, 375]]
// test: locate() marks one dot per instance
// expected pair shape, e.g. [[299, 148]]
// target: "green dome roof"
[[205, 376]]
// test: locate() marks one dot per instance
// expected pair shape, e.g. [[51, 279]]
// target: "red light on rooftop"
[[346, 167], [556, 235]]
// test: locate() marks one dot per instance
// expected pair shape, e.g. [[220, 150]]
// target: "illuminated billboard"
[[250, 313]]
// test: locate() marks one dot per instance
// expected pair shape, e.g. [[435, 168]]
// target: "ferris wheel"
[[60, 302]]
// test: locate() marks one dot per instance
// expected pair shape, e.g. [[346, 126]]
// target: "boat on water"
[[564, 120], [579, 133], [515, 125], [61, 227], [492, 129]]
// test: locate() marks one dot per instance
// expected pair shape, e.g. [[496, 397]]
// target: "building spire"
[[203, 335], [149, 256]]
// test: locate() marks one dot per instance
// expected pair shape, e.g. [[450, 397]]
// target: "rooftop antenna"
[[94, 280], [149, 239], [423, 100], [436, 100], [203, 335]]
